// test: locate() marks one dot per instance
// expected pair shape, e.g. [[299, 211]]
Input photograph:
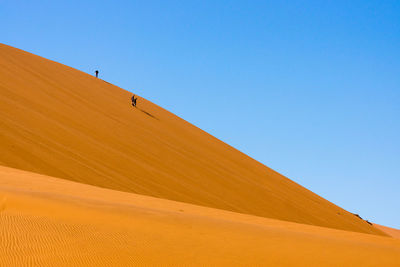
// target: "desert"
[[88, 180]]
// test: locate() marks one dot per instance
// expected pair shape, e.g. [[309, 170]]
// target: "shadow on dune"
[[145, 112], [148, 114]]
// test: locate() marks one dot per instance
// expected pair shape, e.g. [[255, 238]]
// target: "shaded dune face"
[[61, 122]]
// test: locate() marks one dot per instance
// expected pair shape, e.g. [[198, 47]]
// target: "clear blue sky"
[[309, 88]]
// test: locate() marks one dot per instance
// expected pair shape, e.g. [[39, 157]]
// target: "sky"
[[308, 88]]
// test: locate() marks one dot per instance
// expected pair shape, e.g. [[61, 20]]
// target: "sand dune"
[[388, 230], [47, 221], [61, 122]]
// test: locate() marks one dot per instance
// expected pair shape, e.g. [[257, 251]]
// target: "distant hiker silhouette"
[[134, 100], [97, 73]]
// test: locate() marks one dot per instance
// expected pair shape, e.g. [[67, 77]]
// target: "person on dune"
[[134, 100], [97, 73]]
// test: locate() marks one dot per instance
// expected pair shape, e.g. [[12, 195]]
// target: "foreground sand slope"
[[47, 221], [61, 122]]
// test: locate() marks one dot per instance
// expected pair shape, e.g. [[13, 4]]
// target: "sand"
[[88, 180], [47, 221], [61, 122], [395, 233]]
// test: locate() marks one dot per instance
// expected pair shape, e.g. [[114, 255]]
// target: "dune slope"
[[61, 122], [47, 221], [395, 233]]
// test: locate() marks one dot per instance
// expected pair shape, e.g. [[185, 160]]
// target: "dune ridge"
[[61, 122], [48, 221]]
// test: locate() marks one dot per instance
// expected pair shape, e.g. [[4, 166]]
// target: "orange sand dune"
[[61, 122], [388, 230], [47, 221]]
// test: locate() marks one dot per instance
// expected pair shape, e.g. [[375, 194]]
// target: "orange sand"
[[61, 122], [390, 231], [47, 221]]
